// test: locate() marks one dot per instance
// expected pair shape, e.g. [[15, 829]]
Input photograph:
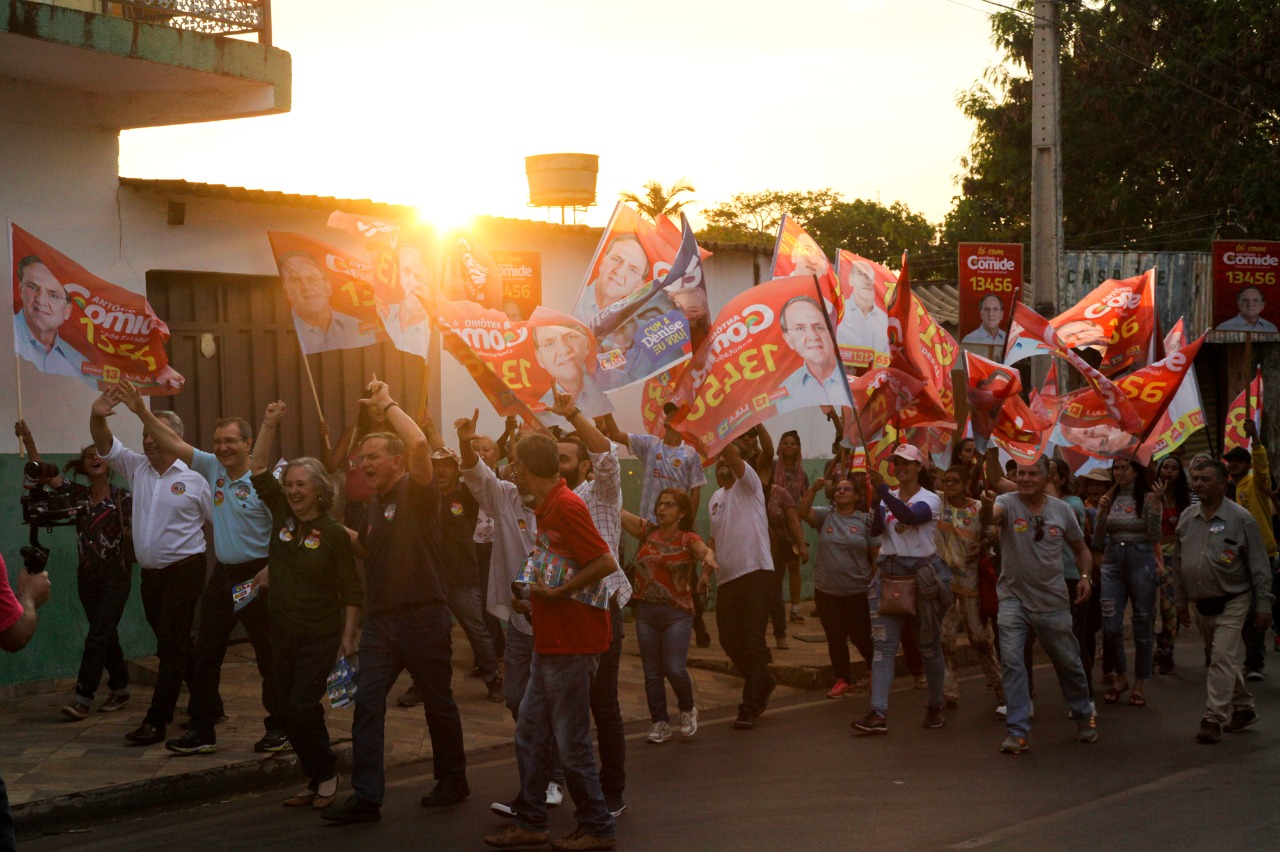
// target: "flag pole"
[[17, 360], [324, 427]]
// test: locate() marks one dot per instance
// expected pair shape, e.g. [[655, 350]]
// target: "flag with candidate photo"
[[330, 293], [1247, 406], [69, 322], [1185, 414], [796, 253]]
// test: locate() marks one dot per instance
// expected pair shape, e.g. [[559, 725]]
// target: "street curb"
[[171, 790]]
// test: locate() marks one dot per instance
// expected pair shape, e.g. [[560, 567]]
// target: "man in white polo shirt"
[[740, 538], [171, 505], [241, 530]]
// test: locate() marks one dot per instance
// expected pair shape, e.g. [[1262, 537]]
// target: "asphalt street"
[[803, 780]]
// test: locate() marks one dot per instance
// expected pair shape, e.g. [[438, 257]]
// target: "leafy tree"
[[752, 218], [659, 200], [1170, 126]]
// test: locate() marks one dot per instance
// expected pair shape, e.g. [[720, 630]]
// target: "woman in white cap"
[[906, 521]]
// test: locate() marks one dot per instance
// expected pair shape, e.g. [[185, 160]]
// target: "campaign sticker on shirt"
[[178, 488], [1128, 510], [455, 508], [967, 521], [1054, 532], [1228, 556], [830, 530], [312, 541], [1217, 527], [242, 491], [899, 528], [390, 512], [217, 498], [853, 530], [674, 462], [715, 507], [222, 480], [1020, 525], [286, 534], [521, 524]]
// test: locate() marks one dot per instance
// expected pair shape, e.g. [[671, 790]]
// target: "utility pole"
[[1046, 160]]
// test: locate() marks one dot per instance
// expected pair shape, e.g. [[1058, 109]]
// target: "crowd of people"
[[520, 540]]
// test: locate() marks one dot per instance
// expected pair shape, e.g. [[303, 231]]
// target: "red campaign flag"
[[922, 348], [796, 253], [330, 293], [470, 272], [862, 332], [69, 322], [658, 390], [1185, 414], [1246, 406], [1045, 402], [772, 351], [1020, 433], [880, 395], [532, 356], [988, 386], [1032, 334], [1086, 422], [1118, 320]]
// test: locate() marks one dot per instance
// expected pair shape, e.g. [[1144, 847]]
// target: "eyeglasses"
[[1039, 522], [226, 442], [667, 504]]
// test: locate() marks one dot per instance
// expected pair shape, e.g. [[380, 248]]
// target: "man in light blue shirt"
[[45, 307], [241, 531], [820, 380]]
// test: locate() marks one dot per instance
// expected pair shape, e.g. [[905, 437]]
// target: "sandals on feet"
[[1137, 700]]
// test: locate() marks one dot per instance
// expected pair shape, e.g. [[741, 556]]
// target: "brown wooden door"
[[256, 360]]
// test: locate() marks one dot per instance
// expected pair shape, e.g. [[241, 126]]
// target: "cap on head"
[[444, 453], [1098, 474], [1239, 454], [909, 453]]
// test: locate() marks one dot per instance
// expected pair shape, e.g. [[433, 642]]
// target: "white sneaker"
[[554, 795], [1002, 710], [689, 723], [660, 733]]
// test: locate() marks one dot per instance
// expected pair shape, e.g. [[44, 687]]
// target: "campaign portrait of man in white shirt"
[[308, 289], [989, 333], [819, 380], [864, 329], [45, 307], [1250, 301]]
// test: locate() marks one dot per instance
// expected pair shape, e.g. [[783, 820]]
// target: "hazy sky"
[[437, 104]]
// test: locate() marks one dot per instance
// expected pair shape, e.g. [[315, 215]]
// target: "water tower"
[[567, 181]]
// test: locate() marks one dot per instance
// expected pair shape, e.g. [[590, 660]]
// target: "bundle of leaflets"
[[556, 570], [342, 684]]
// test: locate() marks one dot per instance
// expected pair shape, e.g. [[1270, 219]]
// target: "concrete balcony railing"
[[215, 17]]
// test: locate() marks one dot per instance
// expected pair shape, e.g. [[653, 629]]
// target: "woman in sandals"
[[665, 579], [842, 575], [315, 603], [1128, 531]]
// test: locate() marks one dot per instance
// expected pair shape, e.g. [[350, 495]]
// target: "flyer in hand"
[[556, 570]]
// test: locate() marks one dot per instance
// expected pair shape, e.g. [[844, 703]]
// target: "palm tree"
[[658, 200]]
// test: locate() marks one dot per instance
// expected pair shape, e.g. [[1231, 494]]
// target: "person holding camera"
[[104, 571], [173, 504], [17, 626]]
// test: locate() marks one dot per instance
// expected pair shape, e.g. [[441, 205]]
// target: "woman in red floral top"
[[665, 580]]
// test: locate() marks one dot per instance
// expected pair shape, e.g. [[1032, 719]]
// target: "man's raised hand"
[[466, 427]]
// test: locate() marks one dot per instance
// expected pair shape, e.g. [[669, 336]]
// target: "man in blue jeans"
[[569, 637], [406, 624], [1033, 597]]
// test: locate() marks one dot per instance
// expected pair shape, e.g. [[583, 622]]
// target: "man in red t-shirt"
[[568, 638], [17, 626]]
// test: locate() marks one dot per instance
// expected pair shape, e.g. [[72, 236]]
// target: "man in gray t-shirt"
[[1034, 527]]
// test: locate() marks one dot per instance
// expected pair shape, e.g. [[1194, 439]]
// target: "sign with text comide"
[[521, 281], [990, 275], [1246, 295]]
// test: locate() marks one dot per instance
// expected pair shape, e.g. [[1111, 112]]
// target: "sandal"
[[1115, 692], [1137, 700]]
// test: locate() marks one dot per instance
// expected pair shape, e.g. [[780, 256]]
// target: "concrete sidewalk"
[[58, 770]]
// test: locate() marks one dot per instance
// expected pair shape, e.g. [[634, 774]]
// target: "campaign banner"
[[69, 322], [521, 273], [1245, 407], [639, 337], [1185, 414], [772, 351], [879, 396], [990, 276], [330, 293], [1245, 294], [921, 347], [1020, 432], [1117, 319], [862, 333], [658, 390], [533, 358], [796, 253], [641, 326], [471, 273]]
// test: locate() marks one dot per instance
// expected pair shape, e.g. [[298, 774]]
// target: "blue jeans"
[[467, 608], [1129, 575], [555, 716], [886, 634], [663, 631], [515, 668], [417, 640], [1053, 629]]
